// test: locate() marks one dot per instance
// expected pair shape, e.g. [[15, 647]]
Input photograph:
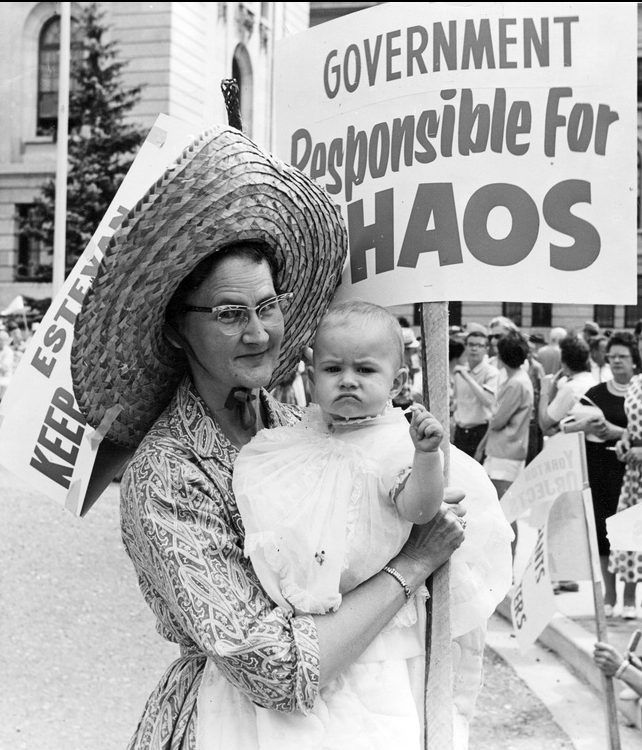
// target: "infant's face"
[[355, 371]]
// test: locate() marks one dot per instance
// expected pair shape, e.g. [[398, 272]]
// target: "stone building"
[[179, 52]]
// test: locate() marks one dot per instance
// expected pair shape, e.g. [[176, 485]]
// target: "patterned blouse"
[[184, 535]]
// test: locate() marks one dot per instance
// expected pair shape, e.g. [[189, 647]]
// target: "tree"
[[102, 144]]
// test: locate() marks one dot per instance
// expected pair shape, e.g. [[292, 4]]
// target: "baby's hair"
[[341, 312]]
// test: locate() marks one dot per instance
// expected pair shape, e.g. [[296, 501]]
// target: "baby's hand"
[[426, 432]]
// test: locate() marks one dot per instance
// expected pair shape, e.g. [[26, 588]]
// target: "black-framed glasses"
[[611, 357], [234, 319]]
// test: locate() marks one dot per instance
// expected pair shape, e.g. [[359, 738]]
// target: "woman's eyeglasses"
[[611, 357], [234, 319]]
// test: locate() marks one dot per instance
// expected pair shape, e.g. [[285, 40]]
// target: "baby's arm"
[[421, 496]]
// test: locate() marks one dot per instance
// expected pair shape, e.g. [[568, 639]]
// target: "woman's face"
[[621, 363], [219, 362]]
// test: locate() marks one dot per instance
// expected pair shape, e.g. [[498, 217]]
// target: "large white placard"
[[44, 438], [478, 150]]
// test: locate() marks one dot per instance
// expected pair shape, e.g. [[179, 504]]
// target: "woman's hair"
[[252, 250], [513, 349], [366, 312], [628, 340], [575, 353]]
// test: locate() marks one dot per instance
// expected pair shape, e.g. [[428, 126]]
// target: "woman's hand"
[[430, 545], [622, 447], [607, 658], [595, 426], [634, 456]]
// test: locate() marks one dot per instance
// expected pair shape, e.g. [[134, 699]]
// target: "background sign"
[[479, 151], [44, 438]]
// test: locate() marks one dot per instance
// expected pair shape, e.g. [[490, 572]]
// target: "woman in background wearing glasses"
[[605, 471]]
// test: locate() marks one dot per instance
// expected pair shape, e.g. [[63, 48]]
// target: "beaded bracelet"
[[620, 670], [399, 578]]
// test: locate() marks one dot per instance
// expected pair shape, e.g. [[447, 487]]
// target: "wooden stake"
[[438, 698], [610, 705]]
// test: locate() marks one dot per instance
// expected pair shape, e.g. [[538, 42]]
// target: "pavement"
[[572, 633]]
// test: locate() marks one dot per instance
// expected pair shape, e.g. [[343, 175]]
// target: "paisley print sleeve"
[[180, 525]]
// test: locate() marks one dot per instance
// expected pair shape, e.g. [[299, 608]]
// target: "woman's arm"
[[484, 395], [197, 580], [345, 634]]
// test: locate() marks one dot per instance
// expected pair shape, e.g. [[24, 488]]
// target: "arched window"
[[242, 72], [48, 68]]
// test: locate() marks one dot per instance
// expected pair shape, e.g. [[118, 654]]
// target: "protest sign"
[[558, 468], [479, 151], [549, 494], [44, 438], [624, 529]]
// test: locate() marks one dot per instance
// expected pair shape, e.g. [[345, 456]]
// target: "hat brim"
[[222, 190]]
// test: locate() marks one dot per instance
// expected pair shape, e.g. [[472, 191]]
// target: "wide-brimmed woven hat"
[[222, 189]]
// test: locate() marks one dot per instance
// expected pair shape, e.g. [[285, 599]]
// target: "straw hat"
[[222, 189]]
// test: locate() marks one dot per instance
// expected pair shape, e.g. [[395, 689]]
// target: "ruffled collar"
[[315, 416]]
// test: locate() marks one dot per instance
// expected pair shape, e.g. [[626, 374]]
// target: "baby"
[[328, 502]]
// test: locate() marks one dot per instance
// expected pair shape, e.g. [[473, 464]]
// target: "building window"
[[633, 313], [542, 314], [48, 69], [513, 311], [33, 262], [604, 315]]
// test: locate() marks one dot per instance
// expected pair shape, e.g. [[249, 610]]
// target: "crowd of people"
[[510, 391], [13, 342]]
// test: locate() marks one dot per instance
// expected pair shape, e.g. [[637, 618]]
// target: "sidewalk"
[[571, 635]]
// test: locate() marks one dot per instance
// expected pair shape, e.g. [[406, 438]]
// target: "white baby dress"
[[317, 506]]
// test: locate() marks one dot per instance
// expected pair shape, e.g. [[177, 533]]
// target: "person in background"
[[590, 330], [292, 389], [497, 328], [7, 361], [475, 389], [535, 342], [560, 393], [506, 445], [456, 356], [536, 374], [624, 563], [601, 431], [600, 369], [411, 356], [550, 356]]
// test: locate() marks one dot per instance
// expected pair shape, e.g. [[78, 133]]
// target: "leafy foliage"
[[101, 147]]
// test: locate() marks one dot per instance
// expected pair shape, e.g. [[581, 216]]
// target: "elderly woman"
[[206, 296]]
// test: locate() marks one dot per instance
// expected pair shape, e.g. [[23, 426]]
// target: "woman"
[[561, 392], [605, 472], [627, 564], [249, 252], [506, 445]]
